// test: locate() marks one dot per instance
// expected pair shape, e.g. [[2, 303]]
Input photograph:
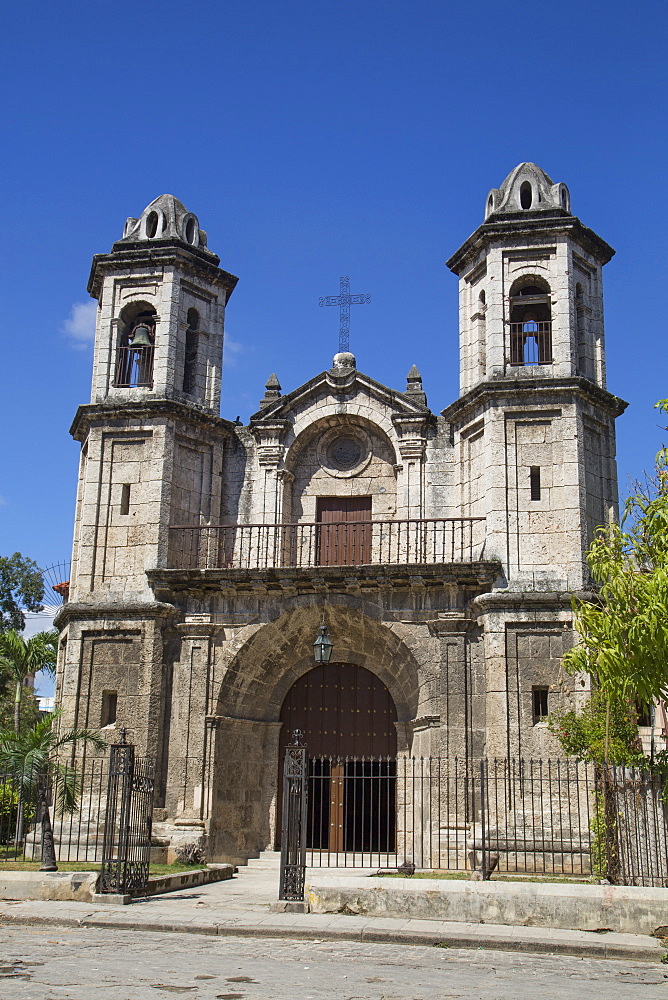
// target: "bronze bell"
[[141, 336]]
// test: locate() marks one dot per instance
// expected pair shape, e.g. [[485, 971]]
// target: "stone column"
[[412, 432], [190, 697]]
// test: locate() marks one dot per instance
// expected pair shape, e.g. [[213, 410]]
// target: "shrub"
[[190, 854]]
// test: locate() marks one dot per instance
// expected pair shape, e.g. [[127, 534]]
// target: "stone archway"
[[262, 663]]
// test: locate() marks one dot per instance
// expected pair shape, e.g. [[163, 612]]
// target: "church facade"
[[440, 550]]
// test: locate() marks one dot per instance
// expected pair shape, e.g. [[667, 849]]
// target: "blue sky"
[[313, 140]]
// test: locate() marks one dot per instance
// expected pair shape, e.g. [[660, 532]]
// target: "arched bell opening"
[[348, 721], [530, 322], [190, 364], [136, 343]]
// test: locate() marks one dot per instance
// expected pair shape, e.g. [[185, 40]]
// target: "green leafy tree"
[[624, 629], [29, 712], [22, 657], [21, 589], [32, 760]]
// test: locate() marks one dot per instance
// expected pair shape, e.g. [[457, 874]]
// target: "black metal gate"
[[126, 847]]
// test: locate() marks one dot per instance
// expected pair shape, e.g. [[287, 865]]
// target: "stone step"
[[268, 861]]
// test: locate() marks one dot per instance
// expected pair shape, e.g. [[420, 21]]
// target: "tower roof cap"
[[166, 218], [527, 188]]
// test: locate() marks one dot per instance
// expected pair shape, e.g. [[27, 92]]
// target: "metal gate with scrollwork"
[[126, 847], [293, 836]]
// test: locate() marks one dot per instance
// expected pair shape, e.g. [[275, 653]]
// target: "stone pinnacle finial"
[[272, 391], [414, 386], [344, 360]]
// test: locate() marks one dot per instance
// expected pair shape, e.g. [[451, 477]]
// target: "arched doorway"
[[348, 717]]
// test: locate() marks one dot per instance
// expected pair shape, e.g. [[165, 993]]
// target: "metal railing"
[[533, 817], [134, 366], [531, 343], [345, 543]]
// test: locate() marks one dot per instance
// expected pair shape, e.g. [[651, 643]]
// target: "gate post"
[[293, 832], [126, 844]]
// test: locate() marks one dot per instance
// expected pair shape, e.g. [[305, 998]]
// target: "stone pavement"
[[242, 907], [73, 963]]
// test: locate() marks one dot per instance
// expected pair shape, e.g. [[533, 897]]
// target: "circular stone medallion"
[[344, 453]]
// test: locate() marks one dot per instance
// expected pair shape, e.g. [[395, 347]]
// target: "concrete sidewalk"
[[242, 907]]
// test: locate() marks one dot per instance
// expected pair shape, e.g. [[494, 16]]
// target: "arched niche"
[[340, 456], [268, 660]]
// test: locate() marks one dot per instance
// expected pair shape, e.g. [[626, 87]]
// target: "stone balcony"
[[412, 542]]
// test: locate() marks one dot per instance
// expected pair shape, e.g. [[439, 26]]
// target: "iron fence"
[[345, 543], [78, 835], [126, 848], [531, 817]]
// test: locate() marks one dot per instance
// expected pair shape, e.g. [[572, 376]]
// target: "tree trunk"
[[607, 732], [17, 705]]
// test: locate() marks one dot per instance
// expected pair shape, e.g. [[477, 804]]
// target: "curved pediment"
[[342, 385]]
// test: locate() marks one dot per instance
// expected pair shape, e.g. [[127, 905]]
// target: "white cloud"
[[80, 324], [231, 350]]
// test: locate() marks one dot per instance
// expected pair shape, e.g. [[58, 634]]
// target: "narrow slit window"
[[125, 498], [109, 704], [540, 712], [534, 477]]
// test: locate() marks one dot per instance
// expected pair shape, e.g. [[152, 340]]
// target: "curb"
[[456, 939]]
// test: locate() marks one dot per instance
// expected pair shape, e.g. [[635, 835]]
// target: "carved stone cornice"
[[509, 391], [113, 611], [450, 624], [198, 627], [144, 410], [327, 580], [424, 722]]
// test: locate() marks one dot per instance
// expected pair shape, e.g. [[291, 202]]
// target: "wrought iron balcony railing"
[[343, 543], [531, 343], [134, 366]]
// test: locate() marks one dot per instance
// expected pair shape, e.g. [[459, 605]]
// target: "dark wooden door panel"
[[343, 710], [344, 531]]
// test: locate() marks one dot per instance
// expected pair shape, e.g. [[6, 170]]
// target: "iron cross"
[[344, 300]]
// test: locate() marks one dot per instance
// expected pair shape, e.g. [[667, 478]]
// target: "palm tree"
[[23, 657], [31, 758]]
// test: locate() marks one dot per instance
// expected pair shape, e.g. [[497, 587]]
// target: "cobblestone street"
[[55, 963]]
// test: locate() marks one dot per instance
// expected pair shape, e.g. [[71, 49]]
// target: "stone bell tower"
[[152, 444], [534, 423], [161, 313], [534, 437]]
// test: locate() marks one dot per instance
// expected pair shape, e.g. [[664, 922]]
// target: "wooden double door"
[[344, 531], [348, 717]]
